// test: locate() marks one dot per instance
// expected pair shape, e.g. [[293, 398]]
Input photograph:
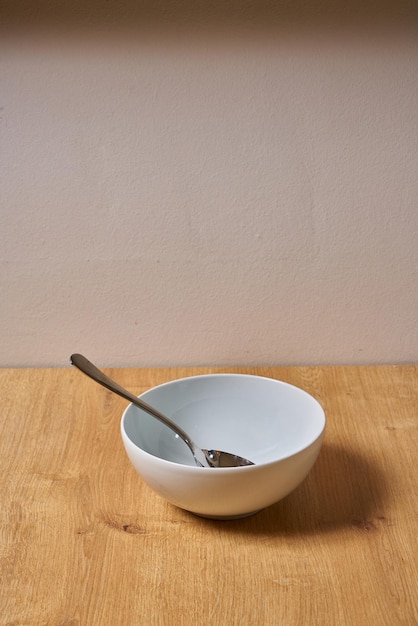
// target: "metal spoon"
[[203, 458]]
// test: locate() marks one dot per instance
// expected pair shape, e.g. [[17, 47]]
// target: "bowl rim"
[[220, 470]]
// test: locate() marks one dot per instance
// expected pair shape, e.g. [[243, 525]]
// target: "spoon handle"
[[85, 366]]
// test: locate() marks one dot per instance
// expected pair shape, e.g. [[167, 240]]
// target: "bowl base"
[[226, 517]]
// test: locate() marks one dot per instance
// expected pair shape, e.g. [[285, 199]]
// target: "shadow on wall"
[[216, 14]]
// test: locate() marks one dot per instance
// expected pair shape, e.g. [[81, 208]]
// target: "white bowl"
[[276, 425]]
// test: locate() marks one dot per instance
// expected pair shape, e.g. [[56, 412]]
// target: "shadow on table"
[[343, 490]]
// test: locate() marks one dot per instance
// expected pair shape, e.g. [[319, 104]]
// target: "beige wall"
[[208, 183]]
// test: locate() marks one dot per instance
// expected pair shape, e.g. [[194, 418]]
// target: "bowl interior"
[[258, 418]]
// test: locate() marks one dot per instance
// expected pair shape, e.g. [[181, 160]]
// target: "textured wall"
[[185, 185]]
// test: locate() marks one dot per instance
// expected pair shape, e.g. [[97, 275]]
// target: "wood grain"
[[84, 541]]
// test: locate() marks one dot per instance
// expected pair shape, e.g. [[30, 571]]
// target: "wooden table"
[[85, 541]]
